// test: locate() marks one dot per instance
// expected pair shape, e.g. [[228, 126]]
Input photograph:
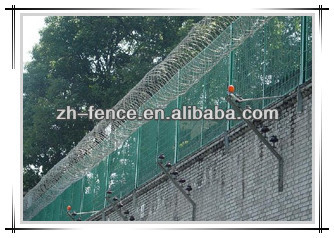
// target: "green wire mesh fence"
[[272, 61]]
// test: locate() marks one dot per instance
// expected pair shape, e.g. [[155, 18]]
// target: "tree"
[[82, 61]]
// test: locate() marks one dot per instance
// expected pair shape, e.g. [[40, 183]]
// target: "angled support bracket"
[[193, 204], [70, 215], [236, 108], [134, 202], [118, 210], [120, 213], [226, 140]]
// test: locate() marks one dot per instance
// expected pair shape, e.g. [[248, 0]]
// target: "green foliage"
[[83, 61]]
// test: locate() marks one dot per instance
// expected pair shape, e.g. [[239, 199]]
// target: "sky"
[[31, 27]]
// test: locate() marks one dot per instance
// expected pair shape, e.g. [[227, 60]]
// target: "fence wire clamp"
[[233, 100]]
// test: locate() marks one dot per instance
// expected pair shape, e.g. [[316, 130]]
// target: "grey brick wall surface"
[[238, 182]]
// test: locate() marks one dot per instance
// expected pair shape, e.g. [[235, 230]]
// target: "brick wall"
[[238, 181]]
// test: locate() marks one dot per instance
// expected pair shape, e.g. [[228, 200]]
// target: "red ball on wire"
[[230, 88]]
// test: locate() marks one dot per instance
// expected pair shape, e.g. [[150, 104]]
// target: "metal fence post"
[[177, 124], [187, 196], [302, 50], [157, 141], [204, 107], [82, 193], [302, 63], [137, 158], [107, 176], [264, 62], [230, 74], [264, 141]]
